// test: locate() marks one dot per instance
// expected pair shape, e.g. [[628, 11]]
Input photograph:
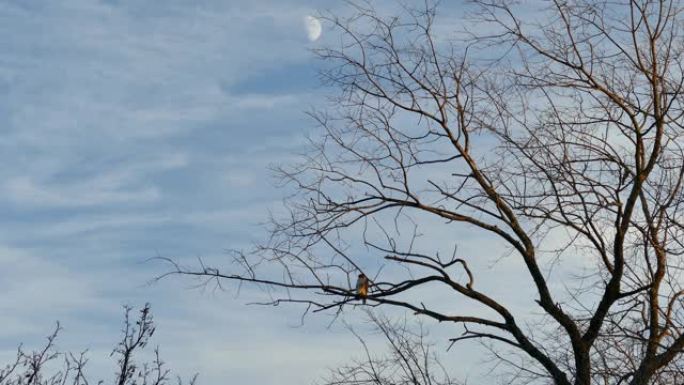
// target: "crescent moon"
[[313, 28]]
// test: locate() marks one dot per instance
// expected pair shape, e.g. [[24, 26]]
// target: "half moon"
[[313, 28]]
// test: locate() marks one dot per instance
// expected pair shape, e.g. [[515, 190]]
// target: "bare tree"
[[410, 359], [557, 131], [48, 366]]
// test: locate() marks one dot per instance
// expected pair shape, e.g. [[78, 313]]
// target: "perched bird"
[[362, 287]]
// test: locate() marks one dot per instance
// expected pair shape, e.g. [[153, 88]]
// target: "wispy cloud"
[[132, 129]]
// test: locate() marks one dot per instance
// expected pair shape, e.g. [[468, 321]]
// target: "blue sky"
[[132, 129]]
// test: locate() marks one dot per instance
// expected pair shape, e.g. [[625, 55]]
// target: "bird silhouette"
[[362, 287]]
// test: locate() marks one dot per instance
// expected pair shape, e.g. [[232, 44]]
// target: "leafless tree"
[[410, 358], [48, 366], [554, 127]]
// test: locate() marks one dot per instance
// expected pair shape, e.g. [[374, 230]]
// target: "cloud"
[[122, 183], [132, 129], [28, 283], [96, 191]]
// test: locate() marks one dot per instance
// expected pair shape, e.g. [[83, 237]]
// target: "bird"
[[362, 287]]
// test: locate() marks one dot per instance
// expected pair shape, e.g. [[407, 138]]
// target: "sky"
[[132, 129]]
